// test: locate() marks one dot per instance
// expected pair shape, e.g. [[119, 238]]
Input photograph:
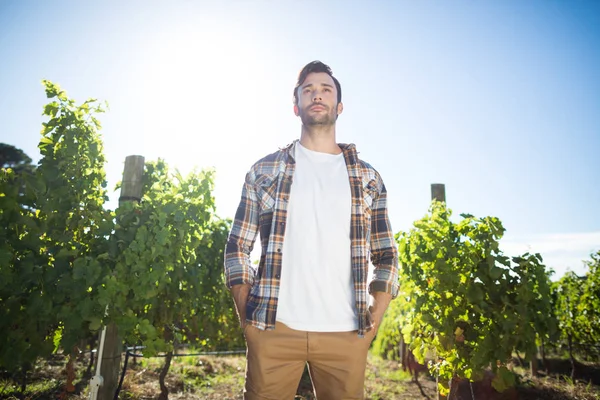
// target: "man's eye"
[[327, 90], [306, 91]]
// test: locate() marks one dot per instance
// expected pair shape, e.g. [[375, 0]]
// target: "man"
[[322, 215]]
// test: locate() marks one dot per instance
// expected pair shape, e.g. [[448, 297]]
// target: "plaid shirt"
[[263, 208]]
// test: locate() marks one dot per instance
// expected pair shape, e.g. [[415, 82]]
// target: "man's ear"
[[340, 108], [296, 111]]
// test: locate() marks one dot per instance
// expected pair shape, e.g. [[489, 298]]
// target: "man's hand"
[[379, 303], [240, 297]]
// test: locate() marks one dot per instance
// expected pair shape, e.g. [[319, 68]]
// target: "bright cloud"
[[561, 252]]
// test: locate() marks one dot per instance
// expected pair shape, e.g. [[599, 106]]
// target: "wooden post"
[[131, 189], [438, 192], [542, 352], [131, 186], [111, 363], [533, 368], [533, 365]]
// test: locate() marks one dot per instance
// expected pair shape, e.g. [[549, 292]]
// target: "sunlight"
[[208, 97], [194, 82]]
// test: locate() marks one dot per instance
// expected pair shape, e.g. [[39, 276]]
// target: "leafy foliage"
[[589, 302], [52, 217], [167, 253], [26, 321], [70, 195], [65, 260], [463, 302], [577, 307]]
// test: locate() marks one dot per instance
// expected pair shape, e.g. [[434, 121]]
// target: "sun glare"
[[206, 100], [194, 78]]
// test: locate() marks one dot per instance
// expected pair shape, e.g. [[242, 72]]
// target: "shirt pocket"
[[370, 194], [266, 190]]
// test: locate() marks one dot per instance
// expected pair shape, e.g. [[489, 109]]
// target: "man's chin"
[[317, 122]]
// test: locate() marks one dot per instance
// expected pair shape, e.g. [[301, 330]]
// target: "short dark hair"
[[316, 66]]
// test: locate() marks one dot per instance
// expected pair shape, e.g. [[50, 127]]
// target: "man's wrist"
[[374, 317], [240, 297], [376, 310]]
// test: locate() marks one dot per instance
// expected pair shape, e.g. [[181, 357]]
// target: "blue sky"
[[498, 100]]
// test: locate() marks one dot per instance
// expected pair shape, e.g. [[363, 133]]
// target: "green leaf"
[[51, 109], [503, 380], [496, 273], [66, 253], [46, 140], [443, 387], [474, 294], [95, 324], [57, 339]]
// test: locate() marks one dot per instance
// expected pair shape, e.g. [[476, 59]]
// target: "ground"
[[221, 378]]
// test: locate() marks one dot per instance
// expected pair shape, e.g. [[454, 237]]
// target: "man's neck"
[[321, 139]]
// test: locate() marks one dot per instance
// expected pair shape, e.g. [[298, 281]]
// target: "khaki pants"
[[276, 360]]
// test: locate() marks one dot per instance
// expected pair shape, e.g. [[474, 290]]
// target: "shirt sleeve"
[[238, 269], [384, 252]]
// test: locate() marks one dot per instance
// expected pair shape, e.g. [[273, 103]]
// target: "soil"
[[221, 378]]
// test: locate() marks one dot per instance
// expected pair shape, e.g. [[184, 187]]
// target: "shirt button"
[[277, 276], [279, 250]]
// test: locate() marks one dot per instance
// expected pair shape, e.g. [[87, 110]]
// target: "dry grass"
[[222, 378], [557, 385], [208, 378]]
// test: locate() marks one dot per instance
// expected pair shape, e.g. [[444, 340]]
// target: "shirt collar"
[[349, 150]]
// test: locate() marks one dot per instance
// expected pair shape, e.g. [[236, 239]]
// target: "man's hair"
[[316, 66]]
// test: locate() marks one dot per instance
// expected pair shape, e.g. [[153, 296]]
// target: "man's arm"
[[379, 303], [239, 275], [384, 256], [240, 297]]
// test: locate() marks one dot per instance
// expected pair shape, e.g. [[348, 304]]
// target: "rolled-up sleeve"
[[384, 252], [238, 269]]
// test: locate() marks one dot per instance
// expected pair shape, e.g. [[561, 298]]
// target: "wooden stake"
[[533, 365], [438, 192], [131, 190], [131, 186]]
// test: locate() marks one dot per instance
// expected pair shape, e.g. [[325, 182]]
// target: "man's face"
[[317, 100]]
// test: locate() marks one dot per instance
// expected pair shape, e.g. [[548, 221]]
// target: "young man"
[[322, 216]]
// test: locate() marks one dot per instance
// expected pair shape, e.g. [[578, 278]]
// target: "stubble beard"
[[315, 120]]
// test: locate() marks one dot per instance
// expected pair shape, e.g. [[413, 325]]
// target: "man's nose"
[[317, 96]]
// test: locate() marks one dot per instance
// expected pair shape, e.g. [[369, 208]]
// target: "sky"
[[498, 100]]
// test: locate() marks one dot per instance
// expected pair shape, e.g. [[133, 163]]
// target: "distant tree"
[[15, 158]]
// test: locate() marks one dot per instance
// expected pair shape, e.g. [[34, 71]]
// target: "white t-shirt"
[[316, 286]]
